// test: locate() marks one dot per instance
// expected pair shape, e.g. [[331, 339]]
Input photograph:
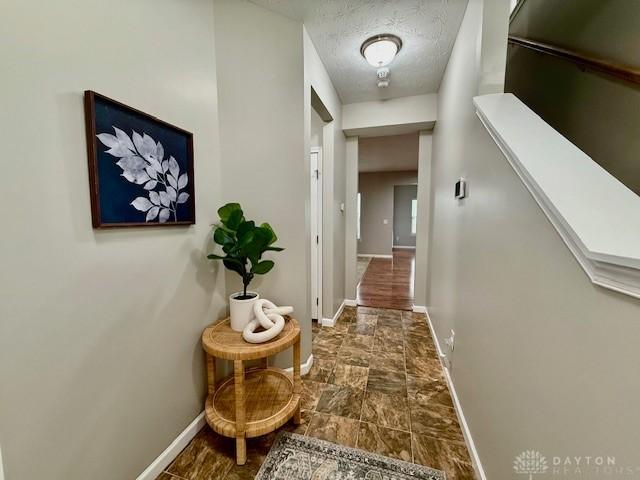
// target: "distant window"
[[414, 215], [358, 214]]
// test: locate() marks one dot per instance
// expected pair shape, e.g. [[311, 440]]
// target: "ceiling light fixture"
[[380, 50]]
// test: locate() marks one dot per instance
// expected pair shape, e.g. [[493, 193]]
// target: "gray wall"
[[100, 355], [424, 216], [351, 207], [543, 359], [376, 190], [402, 197], [597, 113], [262, 143]]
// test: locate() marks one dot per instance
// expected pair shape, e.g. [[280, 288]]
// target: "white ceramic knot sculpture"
[[268, 316]]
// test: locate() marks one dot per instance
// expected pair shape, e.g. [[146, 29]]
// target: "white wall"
[[544, 359], [392, 153], [333, 180], [351, 242], [376, 197], [395, 116], [100, 355], [317, 124], [424, 219], [262, 143]]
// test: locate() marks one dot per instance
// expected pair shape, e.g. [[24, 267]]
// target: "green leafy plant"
[[243, 244]]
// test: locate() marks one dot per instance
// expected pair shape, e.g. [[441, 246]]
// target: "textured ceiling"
[[428, 29]]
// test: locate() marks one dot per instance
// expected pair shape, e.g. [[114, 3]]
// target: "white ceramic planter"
[[241, 310]]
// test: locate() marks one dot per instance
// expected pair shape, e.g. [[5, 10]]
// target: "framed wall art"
[[140, 167]]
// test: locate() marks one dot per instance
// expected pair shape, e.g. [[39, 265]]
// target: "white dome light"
[[380, 50]]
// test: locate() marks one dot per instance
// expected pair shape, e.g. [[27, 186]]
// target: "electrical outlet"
[[450, 341]]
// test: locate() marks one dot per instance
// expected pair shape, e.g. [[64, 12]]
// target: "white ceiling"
[[428, 29], [395, 153]]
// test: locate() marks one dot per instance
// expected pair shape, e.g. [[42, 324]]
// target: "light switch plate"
[[385, 221]]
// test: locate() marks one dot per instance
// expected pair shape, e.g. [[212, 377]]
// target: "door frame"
[[316, 192]]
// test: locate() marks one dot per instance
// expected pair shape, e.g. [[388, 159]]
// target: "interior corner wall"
[[376, 207], [544, 360], [333, 178], [100, 355], [351, 211], [424, 218], [260, 89]]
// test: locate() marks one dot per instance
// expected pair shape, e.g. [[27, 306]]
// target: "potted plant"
[[243, 244]]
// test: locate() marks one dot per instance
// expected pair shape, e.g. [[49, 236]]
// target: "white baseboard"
[[419, 309], [405, 247], [475, 458], [374, 255], [182, 440], [350, 303], [172, 451], [330, 322], [304, 367]]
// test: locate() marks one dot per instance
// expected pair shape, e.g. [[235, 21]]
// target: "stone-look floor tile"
[[451, 457], [341, 401], [305, 418], [361, 329], [370, 311], [341, 327], [386, 410], [422, 366], [382, 345], [393, 322], [363, 342], [429, 390], [334, 429], [311, 392], [326, 346], [385, 381], [206, 456], [413, 317], [434, 420], [420, 347], [354, 356], [320, 370], [387, 361], [392, 334], [349, 375], [385, 441], [329, 335], [257, 450], [348, 315], [366, 319], [417, 330], [167, 476]]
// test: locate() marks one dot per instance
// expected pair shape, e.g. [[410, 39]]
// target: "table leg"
[[297, 387], [211, 374], [241, 442]]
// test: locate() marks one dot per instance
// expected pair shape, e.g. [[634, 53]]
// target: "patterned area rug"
[[305, 458]]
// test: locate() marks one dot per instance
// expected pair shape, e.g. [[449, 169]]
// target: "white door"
[[316, 233]]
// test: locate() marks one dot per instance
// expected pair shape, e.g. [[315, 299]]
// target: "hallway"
[[376, 384], [388, 282]]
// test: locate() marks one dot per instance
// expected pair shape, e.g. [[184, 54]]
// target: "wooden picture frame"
[[140, 167]]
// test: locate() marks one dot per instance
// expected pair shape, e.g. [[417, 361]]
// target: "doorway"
[[315, 159]]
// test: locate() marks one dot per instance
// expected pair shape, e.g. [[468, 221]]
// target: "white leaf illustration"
[[164, 199], [183, 197], [164, 215], [159, 151], [165, 166], [172, 193], [172, 181], [145, 145], [116, 147], [124, 139], [183, 180], [141, 203], [173, 167], [155, 164], [151, 172], [152, 213], [154, 197], [150, 185], [134, 169]]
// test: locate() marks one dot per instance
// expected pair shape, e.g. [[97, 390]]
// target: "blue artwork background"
[[115, 192]]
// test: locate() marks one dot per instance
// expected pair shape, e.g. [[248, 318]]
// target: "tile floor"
[[376, 384]]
